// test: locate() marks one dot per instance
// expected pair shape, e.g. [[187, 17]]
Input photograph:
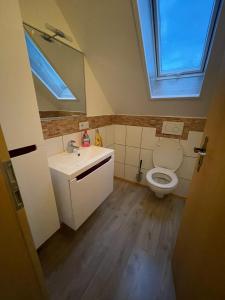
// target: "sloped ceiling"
[[106, 32]]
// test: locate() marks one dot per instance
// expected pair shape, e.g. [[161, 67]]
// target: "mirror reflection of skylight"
[[183, 33], [42, 69]]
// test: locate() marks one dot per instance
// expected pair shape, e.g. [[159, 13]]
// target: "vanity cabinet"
[[79, 194]]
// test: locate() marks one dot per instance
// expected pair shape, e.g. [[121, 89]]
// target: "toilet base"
[[159, 195], [161, 181]]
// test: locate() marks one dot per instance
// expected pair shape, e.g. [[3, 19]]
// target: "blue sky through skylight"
[[183, 27], [42, 69]]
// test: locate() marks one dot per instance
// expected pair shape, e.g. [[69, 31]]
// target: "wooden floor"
[[123, 251]]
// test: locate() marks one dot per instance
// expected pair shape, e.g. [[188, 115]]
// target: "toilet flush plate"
[[175, 128]]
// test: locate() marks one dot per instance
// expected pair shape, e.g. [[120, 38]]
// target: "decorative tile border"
[[60, 126], [190, 124], [53, 127]]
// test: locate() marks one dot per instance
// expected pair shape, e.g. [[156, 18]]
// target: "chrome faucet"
[[72, 148]]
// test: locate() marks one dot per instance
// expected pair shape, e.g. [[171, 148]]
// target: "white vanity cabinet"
[[82, 185]]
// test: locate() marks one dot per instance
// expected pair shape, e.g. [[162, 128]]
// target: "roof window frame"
[[208, 44]]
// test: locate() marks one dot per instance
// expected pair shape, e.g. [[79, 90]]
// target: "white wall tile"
[[133, 137], [130, 173], [111, 147], [194, 140], [54, 145], [149, 139], [73, 136], [132, 156], [169, 139], [187, 167], [91, 133], [102, 132], [120, 134], [119, 170], [146, 156], [119, 153], [109, 135], [183, 187]]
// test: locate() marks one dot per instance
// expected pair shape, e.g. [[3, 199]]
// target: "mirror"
[[58, 74]]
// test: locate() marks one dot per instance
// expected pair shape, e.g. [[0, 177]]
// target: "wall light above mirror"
[[58, 74]]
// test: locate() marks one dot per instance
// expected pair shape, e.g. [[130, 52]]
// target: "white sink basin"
[[71, 165]]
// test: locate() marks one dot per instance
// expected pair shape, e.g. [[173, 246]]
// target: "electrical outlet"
[[83, 125]]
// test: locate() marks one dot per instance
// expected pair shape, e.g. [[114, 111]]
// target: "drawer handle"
[[92, 169]]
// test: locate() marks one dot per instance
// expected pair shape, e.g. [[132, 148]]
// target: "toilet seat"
[[173, 183], [167, 158]]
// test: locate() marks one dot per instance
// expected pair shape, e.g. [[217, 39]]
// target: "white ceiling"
[[106, 32]]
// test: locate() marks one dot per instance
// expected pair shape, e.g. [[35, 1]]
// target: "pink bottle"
[[85, 139]]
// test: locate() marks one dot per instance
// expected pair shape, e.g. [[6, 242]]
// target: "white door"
[[35, 185], [19, 115]]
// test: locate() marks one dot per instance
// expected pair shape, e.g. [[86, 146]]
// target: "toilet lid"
[[168, 154]]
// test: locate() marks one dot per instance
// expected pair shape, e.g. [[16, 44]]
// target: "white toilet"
[[167, 158]]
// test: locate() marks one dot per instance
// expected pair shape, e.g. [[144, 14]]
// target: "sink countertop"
[[71, 165]]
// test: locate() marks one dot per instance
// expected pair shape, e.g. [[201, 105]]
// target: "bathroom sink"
[[71, 165]]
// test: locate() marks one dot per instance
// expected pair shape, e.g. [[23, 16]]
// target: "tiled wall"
[[66, 125], [61, 126], [58, 144], [132, 143], [190, 124]]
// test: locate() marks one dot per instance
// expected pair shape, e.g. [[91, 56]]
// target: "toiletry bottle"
[[85, 139], [98, 138]]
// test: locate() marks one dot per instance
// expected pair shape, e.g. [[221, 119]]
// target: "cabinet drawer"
[[90, 189]]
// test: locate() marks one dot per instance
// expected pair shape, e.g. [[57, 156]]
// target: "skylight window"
[[177, 37], [43, 70], [183, 32]]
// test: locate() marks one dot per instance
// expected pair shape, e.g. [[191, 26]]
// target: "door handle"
[[15, 192], [202, 153]]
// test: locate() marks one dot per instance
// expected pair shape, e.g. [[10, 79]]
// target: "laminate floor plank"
[[123, 251]]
